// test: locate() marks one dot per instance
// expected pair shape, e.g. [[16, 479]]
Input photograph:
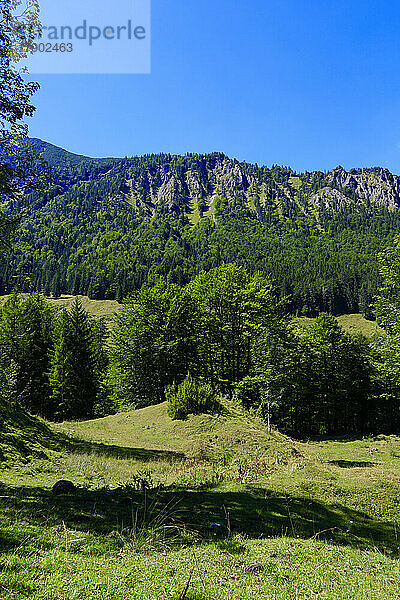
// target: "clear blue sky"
[[310, 84]]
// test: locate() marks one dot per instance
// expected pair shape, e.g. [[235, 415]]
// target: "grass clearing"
[[106, 309], [214, 504], [354, 324], [295, 182]]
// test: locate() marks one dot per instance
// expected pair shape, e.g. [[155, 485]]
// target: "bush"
[[248, 391], [189, 397], [176, 407], [206, 400]]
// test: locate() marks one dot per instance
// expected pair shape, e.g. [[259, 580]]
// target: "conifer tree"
[[58, 373], [74, 366], [26, 341], [37, 318]]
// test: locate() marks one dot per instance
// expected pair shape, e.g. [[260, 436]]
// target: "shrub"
[[176, 406], [248, 391], [189, 397], [206, 400]]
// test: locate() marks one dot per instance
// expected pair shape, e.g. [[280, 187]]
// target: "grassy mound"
[[24, 437], [153, 429]]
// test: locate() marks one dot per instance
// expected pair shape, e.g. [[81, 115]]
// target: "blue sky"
[[310, 84]]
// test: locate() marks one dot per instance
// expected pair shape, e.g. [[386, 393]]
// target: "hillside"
[[106, 226], [271, 515], [24, 437], [189, 184]]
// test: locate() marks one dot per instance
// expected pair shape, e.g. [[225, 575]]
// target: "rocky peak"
[[376, 186]]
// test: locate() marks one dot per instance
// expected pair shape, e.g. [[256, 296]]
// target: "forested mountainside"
[[106, 226]]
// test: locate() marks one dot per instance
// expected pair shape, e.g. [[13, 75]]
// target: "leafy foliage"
[[190, 397], [153, 343], [18, 166], [206, 328]]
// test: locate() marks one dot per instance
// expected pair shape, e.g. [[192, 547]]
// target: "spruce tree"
[[59, 374], [26, 340], [37, 318], [74, 366]]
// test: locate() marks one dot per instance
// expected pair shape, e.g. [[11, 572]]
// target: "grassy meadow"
[[97, 308], [354, 324], [107, 309], [213, 507]]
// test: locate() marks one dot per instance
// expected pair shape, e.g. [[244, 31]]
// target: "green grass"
[[23, 437], [194, 213], [354, 324], [98, 308], [62, 567], [295, 520]]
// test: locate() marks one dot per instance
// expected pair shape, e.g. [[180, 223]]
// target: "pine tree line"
[[52, 363]]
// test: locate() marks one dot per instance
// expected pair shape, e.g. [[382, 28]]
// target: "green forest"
[[105, 227], [211, 260], [224, 334]]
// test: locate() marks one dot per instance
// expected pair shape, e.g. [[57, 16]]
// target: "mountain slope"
[[54, 155], [182, 182], [106, 226]]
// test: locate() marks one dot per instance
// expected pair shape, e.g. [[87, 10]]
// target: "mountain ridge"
[[104, 227], [182, 182]]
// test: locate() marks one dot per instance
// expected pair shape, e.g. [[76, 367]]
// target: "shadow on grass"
[[77, 446], [351, 464], [29, 437], [212, 514], [7, 543], [344, 437]]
